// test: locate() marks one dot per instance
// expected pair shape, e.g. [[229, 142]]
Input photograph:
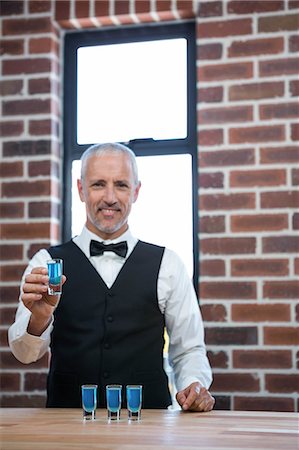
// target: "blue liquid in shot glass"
[[54, 272], [113, 399], [89, 398], [134, 398]]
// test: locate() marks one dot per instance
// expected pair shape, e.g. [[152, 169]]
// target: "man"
[[108, 325]]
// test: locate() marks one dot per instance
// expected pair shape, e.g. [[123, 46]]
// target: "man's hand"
[[195, 398], [35, 297]]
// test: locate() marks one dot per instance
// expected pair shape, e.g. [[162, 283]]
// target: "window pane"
[[163, 212], [132, 91]]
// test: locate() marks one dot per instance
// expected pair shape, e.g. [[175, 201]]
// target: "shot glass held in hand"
[[134, 401], [55, 276], [113, 398], [89, 401]]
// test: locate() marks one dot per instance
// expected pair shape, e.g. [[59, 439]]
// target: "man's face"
[[108, 190]]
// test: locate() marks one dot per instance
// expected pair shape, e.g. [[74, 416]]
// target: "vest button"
[[110, 319]]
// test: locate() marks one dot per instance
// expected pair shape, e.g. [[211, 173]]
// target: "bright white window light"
[[132, 91], [162, 213]]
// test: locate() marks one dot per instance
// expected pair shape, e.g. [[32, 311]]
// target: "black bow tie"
[[98, 248]]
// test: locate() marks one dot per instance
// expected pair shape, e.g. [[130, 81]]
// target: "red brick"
[[9, 8], [295, 132], [39, 86], [229, 290], [11, 273], [264, 359], [259, 267], [218, 359], [212, 224], [251, 6], [282, 383], [281, 289], [43, 209], [287, 199], [26, 65], [280, 244], [264, 404], [294, 88], [10, 252], [211, 180], [260, 312], [26, 230], [12, 210], [62, 9], [10, 381], [7, 313], [35, 381], [214, 313], [250, 178], [224, 28], [45, 126], [12, 47], [225, 115], [43, 45], [272, 68], [212, 268], [281, 336], [11, 128], [26, 148], [209, 51], [10, 294], [39, 6], [219, 72], [256, 91], [256, 47], [20, 107], [293, 4], [210, 202], [210, 95], [235, 382], [257, 134], [296, 268], [23, 401], [259, 222], [27, 188], [270, 24], [34, 248], [231, 335], [11, 169], [279, 111], [220, 158], [27, 26], [81, 9], [227, 246], [295, 221], [210, 9], [11, 87], [210, 137], [278, 155], [4, 337], [294, 43]]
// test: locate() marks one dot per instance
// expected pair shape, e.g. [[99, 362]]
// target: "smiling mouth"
[[108, 212]]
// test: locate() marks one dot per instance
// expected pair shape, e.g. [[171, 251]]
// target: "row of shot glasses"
[[113, 401]]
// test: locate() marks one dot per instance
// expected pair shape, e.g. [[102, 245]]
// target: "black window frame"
[[141, 147]]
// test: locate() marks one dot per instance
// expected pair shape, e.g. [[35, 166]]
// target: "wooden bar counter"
[[59, 429]]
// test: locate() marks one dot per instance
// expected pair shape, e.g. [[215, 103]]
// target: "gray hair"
[[100, 149]]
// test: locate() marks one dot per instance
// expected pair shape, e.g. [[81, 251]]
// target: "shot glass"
[[113, 398], [89, 401], [55, 276], [134, 401]]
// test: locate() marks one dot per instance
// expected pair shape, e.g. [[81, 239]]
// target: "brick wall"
[[248, 135]]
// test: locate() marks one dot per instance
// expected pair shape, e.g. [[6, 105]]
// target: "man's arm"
[[29, 335]]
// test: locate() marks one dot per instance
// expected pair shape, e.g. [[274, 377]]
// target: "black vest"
[[105, 336]]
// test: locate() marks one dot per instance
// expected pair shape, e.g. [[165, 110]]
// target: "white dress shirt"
[[177, 301]]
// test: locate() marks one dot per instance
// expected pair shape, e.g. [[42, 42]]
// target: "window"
[[137, 85]]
